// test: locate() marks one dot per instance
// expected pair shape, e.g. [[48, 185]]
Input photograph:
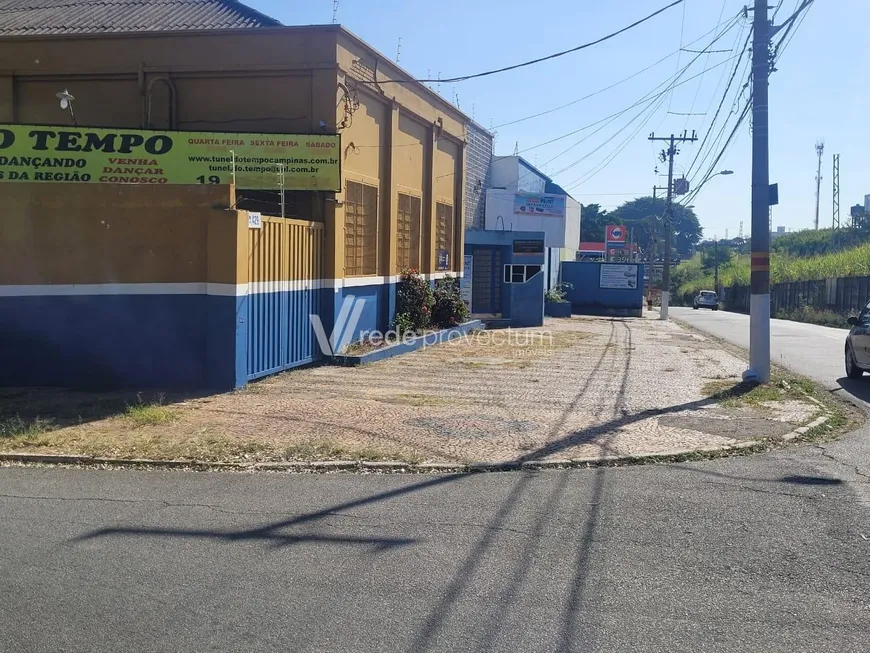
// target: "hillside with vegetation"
[[800, 256]]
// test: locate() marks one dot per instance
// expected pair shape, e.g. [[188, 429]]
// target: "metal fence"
[[842, 295]]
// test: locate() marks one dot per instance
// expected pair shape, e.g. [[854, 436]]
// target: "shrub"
[[558, 293], [449, 309], [403, 323], [414, 301]]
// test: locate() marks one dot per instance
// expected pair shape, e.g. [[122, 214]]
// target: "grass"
[[151, 414], [814, 316], [731, 394], [17, 427], [318, 450]]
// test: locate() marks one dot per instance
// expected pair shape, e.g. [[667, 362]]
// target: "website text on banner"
[[112, 156], [539, 205]]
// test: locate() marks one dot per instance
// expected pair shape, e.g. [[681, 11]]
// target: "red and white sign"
[[615, 233]]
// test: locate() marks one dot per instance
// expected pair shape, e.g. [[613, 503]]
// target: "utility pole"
[[716, 266], [668, 155], [820, 150], [652, 253], [835, 219], [759, 284]]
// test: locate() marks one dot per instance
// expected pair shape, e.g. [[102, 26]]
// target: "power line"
[[721, 102], [655, 101], [701, 80], [607, 160], [453, 80], [682, 27], [644, 100], [709, 174], [622, 81]]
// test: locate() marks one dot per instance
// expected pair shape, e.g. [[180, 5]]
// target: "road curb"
[[393, 466]]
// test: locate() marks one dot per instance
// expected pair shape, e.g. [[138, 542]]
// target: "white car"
[[706, 299]]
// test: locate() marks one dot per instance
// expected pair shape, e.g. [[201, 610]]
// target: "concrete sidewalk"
[[576, 388]]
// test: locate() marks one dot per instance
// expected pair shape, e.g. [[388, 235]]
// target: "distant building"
[[522, 198], [478, 173]]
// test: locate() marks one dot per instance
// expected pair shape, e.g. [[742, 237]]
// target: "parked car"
[[706, 299], [858, 344]]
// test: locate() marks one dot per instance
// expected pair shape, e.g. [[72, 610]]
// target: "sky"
[[819, 92]]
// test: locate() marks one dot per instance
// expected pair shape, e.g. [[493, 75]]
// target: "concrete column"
[[459, 212], [429, 257]]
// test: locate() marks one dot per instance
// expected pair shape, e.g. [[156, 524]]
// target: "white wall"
[[511, 173], [558, 232], [505, 170], [572, 223]]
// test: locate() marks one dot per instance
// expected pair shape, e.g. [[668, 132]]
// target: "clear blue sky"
[[820, 90]]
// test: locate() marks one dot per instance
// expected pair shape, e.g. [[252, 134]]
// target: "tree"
[[646, 215], [593, 221]]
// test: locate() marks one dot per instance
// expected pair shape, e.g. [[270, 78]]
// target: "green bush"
[[558, 293], [449, 309], [414, 301]]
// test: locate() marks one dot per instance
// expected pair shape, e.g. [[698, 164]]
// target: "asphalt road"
[[812, 351], [765, 553], [759, 553]]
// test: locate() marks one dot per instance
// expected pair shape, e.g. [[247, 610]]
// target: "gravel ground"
[[574, 388]]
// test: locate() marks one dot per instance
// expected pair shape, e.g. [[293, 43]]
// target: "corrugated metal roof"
[[38, 17]]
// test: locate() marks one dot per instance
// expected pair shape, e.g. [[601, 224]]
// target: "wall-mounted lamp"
[[66, 103]]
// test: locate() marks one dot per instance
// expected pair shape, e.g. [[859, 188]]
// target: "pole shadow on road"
[[570, 629]]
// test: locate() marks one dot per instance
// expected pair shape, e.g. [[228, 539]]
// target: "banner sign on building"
[[540, 205], [623, 277], [133, 156], [535, 246]]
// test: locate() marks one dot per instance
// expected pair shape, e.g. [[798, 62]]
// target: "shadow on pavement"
[[858, 388], [811, 480], [571, 628]]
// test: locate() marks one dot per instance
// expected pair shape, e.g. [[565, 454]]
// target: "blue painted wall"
[[522, 305], [587, 294], [117, 341], [378, 309], [526, 301]]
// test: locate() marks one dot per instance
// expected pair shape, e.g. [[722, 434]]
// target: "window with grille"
[[443, 235], [520, 273], [409, 218], [360, 229]]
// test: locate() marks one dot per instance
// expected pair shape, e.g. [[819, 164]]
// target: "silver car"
[[706, 299], [858, 344]]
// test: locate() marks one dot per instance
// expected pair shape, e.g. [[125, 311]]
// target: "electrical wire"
[[791, 26], [679, 56], [692, 195], [595, 170], [672, 82], [622, 81], [721, 102], [453, 80], [701, 80]]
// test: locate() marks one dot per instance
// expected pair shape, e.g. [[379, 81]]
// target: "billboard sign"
[[615, 236], [540, 205], [133, 156], [618, 277]]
